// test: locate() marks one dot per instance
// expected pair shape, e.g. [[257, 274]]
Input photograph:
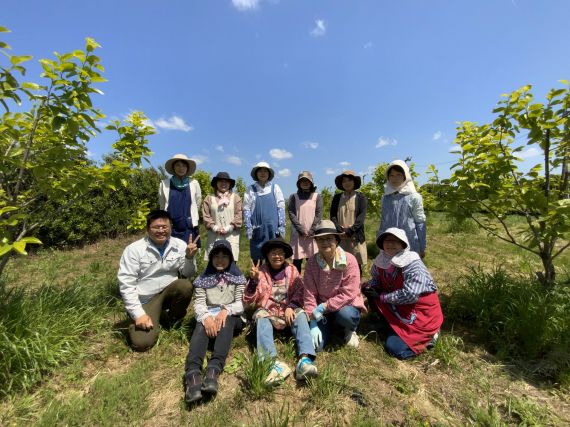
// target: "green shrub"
[[516, 317], [99, 215], [44, 328]]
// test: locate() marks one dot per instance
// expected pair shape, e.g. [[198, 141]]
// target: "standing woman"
[[181, 197], [402, 207], [305, 209], [222, 214], [348, 212], [263, 210]]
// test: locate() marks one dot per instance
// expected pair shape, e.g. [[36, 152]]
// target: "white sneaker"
[[352, 340], [278, 372], [306, 368]]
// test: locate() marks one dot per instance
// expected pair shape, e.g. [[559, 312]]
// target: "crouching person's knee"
[[141, 340]]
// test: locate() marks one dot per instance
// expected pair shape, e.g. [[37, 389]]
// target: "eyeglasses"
[[276, 254], [159, 227]]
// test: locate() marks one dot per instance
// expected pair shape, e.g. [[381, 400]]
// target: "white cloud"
[[199, 158], [90, 154], [437, 135], [368, 45], [172, 123], [284, 173], [220, 148], [320, 28], [280, 154], [344, 164], [330, 171], [384, 141], [245, 4], [234, 160], [311, 144], [530, 152]]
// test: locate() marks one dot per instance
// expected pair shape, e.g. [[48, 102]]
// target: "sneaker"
[[305, 369], [210, 384], [278, 372], [352, 340], [193, 393]]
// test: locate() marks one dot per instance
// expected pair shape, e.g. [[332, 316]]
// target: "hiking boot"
[[278, 372], [210, 384], [305, 369], [352, 340], [193, 383]]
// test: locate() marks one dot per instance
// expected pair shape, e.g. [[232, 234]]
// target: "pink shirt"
[[338, 288]]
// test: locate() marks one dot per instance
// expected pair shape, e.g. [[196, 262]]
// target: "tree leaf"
[[15, 60]]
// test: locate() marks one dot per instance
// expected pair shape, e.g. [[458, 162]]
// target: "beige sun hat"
[[259, 166], [183, 158], [326, 226]]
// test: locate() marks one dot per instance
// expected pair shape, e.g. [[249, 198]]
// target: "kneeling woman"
[[332, 289], [404, 293]]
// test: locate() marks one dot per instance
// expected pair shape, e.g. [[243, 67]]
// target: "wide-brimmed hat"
[[350, 174], [326, 226], [306, 175], [183, 158], [277, 243], [223, 175], [262, 165], [398, 233]]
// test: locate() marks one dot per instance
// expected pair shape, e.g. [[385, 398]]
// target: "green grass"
[[109, 401], [79, 369]]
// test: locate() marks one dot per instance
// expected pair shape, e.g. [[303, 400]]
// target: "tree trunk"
[[3, 261], [547, 276]]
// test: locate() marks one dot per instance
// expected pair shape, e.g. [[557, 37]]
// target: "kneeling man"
[[149, 279]]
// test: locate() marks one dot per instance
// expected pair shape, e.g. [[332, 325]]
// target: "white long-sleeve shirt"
[[143, 273]]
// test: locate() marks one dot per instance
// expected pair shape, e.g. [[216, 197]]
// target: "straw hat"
[[326, 227], [182, 158]]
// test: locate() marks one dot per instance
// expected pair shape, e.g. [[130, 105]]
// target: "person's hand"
[[281, 231], [422, 254], [221, 319], [289, 316], [222, 231], [210, 327], [192, 247], [316, 334], [319, 311], [144, 322], [254, 270], [370, 292]]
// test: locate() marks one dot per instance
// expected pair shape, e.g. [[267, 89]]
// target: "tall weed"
[[517, 317], [44, 328]]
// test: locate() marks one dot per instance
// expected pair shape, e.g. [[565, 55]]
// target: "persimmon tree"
[[44, 142], [488, 183]]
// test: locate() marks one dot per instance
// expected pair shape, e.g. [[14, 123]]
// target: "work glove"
[[318, 312], [370, 292], [316, 334]]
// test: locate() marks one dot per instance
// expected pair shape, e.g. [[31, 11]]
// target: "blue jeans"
[[345, 321], [396, 347], [299, 328]]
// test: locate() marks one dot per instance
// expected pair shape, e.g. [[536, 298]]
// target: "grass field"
[[97, 380]]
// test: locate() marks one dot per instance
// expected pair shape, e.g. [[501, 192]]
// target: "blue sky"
[[319, 85]]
